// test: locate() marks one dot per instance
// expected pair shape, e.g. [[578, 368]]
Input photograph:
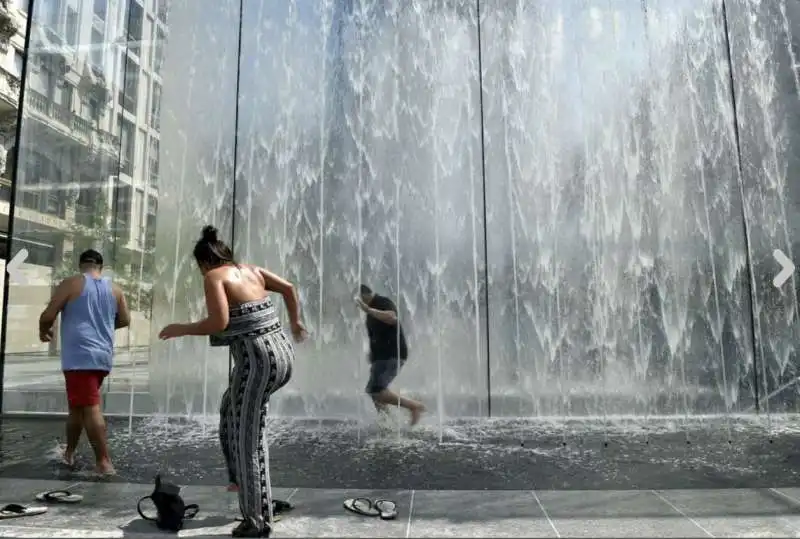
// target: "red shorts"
[[83, 387]]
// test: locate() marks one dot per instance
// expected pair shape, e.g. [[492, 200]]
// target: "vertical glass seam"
[[13, 196], [745, 225], [236, 148], [485, 211]]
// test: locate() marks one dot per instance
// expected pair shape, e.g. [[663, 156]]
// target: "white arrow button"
[[13, 266], [787, 268]]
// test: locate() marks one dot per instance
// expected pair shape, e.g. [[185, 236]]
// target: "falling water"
[[186, 376], [617, 266]]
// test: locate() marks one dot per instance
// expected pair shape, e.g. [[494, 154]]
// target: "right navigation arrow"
[[787, 268]]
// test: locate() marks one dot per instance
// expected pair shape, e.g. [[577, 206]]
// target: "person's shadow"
[[140, 525]]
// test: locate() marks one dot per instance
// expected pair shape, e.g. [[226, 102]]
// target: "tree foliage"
[[98, 230]]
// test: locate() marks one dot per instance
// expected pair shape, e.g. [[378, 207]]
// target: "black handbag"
[[171, 510]]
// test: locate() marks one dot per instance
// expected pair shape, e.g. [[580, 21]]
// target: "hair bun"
[[210, 234]]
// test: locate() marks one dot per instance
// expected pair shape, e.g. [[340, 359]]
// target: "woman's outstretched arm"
[[286, 289], [218, 315]]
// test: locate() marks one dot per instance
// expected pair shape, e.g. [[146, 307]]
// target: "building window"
[[100, 9], [40, 254], [89, 207], [130, 85], [66, 96], [128, 145], [158, 51], [122, 211], [135, 25], [161, 10], [95, 109], [97, 48], [155, 107], [154, 162], [50, 13], [150, 223], [49, 81], [17, 64], [72, 27]]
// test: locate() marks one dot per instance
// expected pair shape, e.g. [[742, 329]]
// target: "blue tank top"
[[87, 327]]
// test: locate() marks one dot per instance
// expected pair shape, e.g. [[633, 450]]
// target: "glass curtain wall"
[[574, 204]]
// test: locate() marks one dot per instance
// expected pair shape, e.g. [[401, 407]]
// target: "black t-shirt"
[[383, 337]]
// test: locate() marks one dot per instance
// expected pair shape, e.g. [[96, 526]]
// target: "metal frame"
[[13, 198]]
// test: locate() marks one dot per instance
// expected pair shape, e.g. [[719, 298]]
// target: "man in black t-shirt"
[[388, 352]]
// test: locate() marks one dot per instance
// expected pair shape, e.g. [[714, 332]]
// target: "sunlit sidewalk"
[[109, 510]]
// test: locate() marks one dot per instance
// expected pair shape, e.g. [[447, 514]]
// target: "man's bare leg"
[[380, 407], [74, 431], [95, 425], [387, 397]]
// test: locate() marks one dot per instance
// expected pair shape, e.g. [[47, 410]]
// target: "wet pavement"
[[464, 455]]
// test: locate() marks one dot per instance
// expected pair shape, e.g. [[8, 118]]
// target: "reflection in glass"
[[83, 181]]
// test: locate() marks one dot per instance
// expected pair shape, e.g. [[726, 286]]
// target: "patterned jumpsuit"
[[263, 357]]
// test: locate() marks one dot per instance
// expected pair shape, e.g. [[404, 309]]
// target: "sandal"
[[387, 509], [361, 506], [14, 510], [58, 496]]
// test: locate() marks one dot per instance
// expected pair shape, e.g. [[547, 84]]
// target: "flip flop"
[[279, 507], [58, 496], [14, 510], [361, 506], [387, 509], [275, 518]]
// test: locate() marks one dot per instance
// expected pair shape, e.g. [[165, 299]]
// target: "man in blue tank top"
[[91, 309]]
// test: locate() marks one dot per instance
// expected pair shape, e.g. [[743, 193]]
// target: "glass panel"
[[363, 166], [618, 264], [68, 156], [196, 160], [81, 184], [765, 39]]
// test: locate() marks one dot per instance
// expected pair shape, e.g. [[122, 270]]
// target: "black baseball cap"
[[90, 256]]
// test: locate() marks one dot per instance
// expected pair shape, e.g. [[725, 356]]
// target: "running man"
[[388, 352], [91, 309]]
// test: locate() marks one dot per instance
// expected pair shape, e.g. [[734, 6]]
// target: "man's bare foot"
[[68, 460], [233, 487], [416, 414], [105, 468]]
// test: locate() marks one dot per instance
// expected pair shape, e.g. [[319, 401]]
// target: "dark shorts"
[[382, 373], [83, 387]]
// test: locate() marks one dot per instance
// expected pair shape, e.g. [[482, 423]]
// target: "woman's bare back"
[[243, 283]]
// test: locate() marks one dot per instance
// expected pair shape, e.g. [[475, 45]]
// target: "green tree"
[[96, 229]]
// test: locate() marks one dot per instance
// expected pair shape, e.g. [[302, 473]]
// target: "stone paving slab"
[[630, 513], [739, 512], [109, 510], [482, 513]]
